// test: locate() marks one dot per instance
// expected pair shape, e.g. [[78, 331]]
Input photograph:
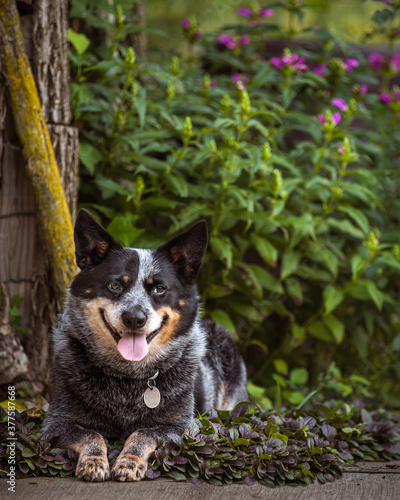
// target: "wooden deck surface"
[[363, 481]]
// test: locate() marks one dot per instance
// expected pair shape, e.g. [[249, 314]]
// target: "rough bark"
[[38, 152], [27, 260], [50, 67], [139, 40]]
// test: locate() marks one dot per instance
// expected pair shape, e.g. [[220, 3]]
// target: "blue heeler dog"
[[132, 358]]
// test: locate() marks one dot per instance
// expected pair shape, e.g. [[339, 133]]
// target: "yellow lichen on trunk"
[[38, 151]]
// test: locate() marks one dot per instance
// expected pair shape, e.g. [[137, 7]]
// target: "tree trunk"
[[36, 244]]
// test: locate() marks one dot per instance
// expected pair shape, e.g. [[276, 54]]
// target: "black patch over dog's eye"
[[159, 290], [114, 287]]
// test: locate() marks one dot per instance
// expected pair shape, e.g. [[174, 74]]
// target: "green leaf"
[[123, 229], [290, 262], [358, 216], [79, 41], [266, 249], [332, 298], [27, 452], [89, 155], [178, 184], [222, 247], [294, 397], [223, 319], [266, 279], [376, 295], [299, 376], [109, 187], [357, 264], [281, 366], [336, 327], [319, 330]]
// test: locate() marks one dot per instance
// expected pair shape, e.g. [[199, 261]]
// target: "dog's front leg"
[[92, 462], [131, 464]]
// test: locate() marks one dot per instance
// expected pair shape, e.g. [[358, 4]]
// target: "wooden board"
[[353, 486]]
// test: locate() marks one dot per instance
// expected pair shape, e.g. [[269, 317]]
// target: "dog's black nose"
[[134, 319]]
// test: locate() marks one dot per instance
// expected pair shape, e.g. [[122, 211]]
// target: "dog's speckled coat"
[[96, 392]]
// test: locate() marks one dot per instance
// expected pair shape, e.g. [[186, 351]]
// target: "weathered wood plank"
[[375, 467], [352, 486]]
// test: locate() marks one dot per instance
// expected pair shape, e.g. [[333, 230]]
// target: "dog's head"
[[136, 301]]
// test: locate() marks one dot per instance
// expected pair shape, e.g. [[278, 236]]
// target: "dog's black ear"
[[92, 241], [186, 250]]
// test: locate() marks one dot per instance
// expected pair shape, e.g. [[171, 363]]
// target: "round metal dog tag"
[[152, 397]]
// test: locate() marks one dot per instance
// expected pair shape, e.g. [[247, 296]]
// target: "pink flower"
[[375, 60], [266, 13], [397, 95], [240, 80], [361, 89], [275, 61], [289, 59], [245, 12], [385, 98], [185, 23], [335, 119], [228, 41], [394, 62], [350, 64], [340, 103], [244, 40], [341, 149], [320, 69]]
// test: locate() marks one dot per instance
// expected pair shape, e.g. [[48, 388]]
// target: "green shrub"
[[292, 160]]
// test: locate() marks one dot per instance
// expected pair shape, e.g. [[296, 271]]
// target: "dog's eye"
[[159, 290], [114, 287]]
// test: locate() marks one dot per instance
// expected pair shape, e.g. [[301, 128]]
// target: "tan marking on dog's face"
[[88, 290], [126, 278], [181, 303], [96, 322], [168, 331], [150, 281]]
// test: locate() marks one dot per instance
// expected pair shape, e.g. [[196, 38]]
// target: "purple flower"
[[289, 59], [385, 98], [266, 13], [375, 60], [350, 64], [244, 40], [340, 103], [320, 69], [341, 149], [361, 89], [245, 12], [240, 80], [228, 41], [394, 62], [185, 23], [275, 61], [335, 119]]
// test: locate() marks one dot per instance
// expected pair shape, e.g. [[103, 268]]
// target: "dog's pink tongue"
[[133, 347]]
